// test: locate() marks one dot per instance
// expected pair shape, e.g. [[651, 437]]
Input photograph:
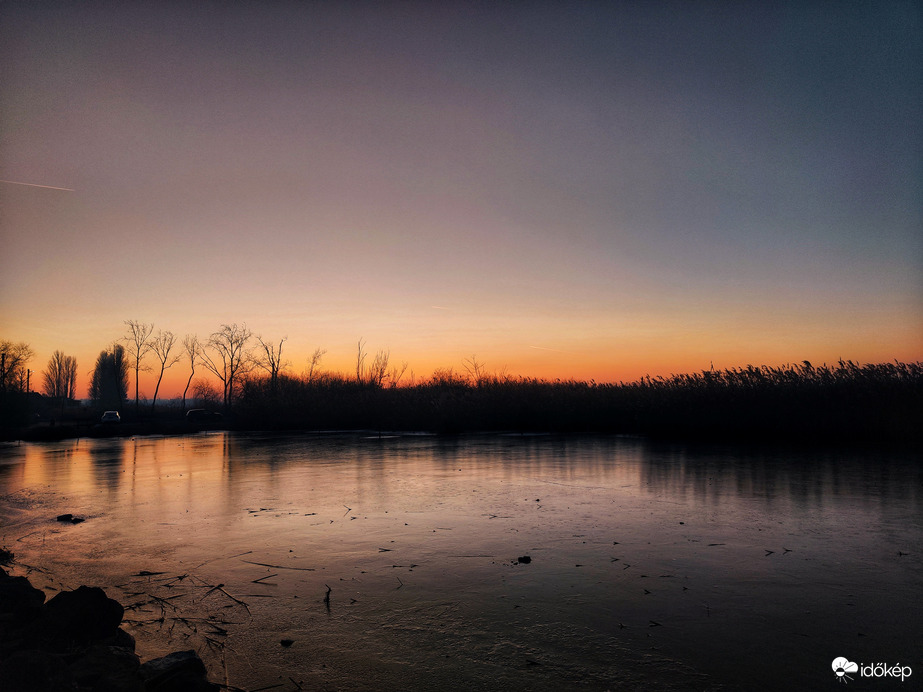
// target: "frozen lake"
[[650, 566]]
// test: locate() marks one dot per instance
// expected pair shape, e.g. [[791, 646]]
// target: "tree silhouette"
[[109, 384], [205, 393], [193, 350], [231, 359], [360, 360], [476, 369], [139, 343], [397, 373], [13, 361], [314, 363], [378, 370], [162, 345], [59, 380], [270, 359]]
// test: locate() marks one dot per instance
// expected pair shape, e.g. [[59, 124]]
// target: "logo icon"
[[842, 666]]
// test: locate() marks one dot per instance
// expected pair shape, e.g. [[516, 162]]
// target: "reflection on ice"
[[667, 566]]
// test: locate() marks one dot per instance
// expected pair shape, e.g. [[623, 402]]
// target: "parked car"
[[111, 417], [200, 415]]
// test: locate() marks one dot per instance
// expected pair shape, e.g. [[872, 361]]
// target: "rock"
[[74, 642], [70, 518], [83, 616], [181, 671], [19, 597], [20, 605], [34, 671], [65, 517], [524, 560], [121, 639], [108, 669], [287, 642]]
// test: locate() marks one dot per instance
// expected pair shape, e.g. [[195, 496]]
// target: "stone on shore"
[[33, 670], [18, 597], [109, 668], [81, 617], [75, 642], [181, 671]]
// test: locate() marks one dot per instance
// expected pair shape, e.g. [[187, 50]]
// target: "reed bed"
[[875, 404]]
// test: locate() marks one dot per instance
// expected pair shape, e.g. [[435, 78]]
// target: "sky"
[[565, 190]]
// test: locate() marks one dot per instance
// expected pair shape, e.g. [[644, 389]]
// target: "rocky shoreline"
[[74, 642]]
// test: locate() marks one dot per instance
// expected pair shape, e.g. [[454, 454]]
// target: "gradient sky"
[[574, 190]]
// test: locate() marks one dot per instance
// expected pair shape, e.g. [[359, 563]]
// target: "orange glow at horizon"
[[594, 363]]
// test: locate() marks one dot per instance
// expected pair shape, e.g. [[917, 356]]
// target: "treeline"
[[250, 381], [846, 403], [228, 355]]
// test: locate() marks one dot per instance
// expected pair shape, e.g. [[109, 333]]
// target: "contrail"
[[542, 348], [47, 187]]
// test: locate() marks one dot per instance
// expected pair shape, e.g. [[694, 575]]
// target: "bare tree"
[[476, 369], [315, 361], [162, 345], [231, 358], [193, 352], [138, 339], [205, 393], [397, 373], [13, 360], [360, 360], [270, 359], [378, 370], [60, 377], [377, 373]]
